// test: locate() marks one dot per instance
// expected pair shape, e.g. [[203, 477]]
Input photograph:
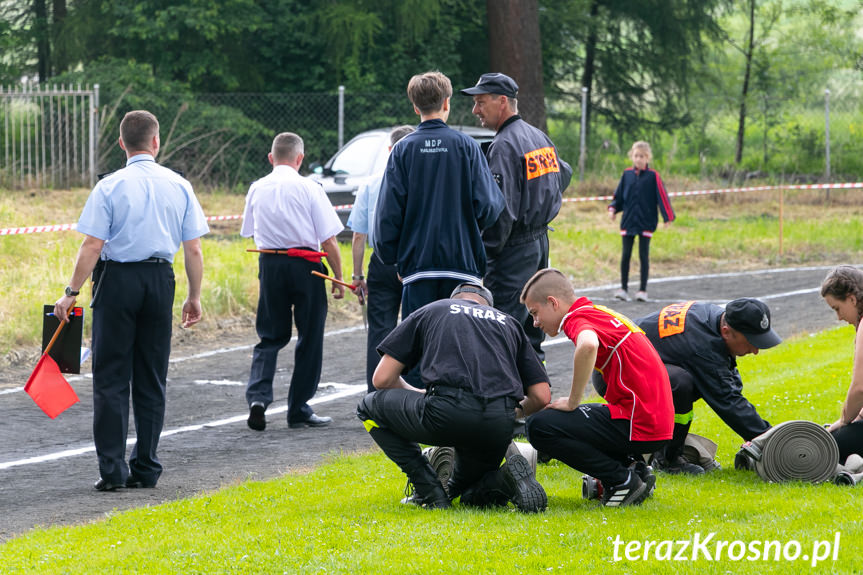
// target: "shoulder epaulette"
[[182, 175]]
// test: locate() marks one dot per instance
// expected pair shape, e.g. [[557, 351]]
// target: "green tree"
[[637, 59]]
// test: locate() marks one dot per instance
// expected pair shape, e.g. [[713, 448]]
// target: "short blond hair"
[[428, 91], [643, 146], [286, 147], [545, 283]]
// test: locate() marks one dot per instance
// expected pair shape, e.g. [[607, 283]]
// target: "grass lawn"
[[344, 517]]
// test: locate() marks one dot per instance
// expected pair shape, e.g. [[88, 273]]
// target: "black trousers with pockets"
[[480, 430], [588, 440]]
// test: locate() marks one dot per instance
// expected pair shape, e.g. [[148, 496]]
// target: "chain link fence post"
[[827, 139], [582, 144], [341, 117]]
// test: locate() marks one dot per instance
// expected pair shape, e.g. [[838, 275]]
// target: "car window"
[[360, 156]]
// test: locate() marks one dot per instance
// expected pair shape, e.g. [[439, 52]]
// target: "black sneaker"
[[257, 418], [631, 492], [675, 466], [522, 487]]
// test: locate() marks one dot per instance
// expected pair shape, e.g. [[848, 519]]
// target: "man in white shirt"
[[285, 211]]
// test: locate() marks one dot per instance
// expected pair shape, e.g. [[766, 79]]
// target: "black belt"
[[526, 236], [146, 261], [461, 392]]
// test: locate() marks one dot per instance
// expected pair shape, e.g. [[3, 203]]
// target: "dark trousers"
[[850, 440], [383, 301], [419, 293], [588, 440], [132, 314], [479, 430], [508, 272], [643, 258], [684, 394], [289, 293]]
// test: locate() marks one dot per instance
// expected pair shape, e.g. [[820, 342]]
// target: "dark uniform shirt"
[[460, 343], [532, 186], [688, 335]]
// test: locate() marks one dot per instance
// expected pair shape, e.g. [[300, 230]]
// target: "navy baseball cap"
[[482, 291], [493, 83], [751, 317]]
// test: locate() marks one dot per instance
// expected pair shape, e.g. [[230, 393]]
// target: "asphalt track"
[[47, 467]]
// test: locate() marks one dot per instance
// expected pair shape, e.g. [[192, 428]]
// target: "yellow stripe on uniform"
[[684, 418], [369, 424]]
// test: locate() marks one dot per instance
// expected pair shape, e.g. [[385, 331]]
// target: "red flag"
[[49, 389]]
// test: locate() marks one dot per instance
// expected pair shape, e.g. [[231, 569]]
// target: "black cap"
[[494, 83], [751, 317], [474, 288]]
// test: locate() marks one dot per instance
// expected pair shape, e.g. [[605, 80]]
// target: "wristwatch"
[[70, 292]]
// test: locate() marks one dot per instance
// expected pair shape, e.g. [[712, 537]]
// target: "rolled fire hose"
[[794, 450], [442, 460]]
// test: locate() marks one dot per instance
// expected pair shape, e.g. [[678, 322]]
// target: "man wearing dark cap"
[[477, 369], [532, 177], [699, 344]]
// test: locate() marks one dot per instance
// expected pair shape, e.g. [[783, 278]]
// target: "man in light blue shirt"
[[383, 288], [133, 223]]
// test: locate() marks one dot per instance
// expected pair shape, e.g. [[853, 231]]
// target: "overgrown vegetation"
[[703, 81], [344, 517]]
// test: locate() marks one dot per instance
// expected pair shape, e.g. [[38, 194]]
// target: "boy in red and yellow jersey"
[[601, 440]]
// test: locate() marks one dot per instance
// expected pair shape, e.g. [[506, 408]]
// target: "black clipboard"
[[67, 349]]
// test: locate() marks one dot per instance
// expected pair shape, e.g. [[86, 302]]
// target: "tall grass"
[[344, 517], [712, 233]]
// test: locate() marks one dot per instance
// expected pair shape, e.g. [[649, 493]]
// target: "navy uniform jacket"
[[637, 195], [436, 197], [687, 335], [533, 186]]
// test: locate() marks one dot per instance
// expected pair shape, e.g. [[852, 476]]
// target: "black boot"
[[428, 492], [514, 481], [670, 460]]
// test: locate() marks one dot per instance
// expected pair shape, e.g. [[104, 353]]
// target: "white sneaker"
[[641, 296], [621, 295]]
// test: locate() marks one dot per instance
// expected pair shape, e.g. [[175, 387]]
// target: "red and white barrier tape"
[[36, 229], [844, 186]]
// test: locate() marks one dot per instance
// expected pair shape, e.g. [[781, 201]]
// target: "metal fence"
[[49, 136]]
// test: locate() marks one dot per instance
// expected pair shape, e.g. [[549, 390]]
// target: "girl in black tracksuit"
[[637, 195]]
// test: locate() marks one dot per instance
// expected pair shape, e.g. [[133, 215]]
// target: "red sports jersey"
[[638, 387]]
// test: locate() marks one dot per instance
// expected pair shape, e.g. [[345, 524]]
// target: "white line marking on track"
[[250, 346], [550, 342], [218, 382], [347, 391], [716, 275]]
